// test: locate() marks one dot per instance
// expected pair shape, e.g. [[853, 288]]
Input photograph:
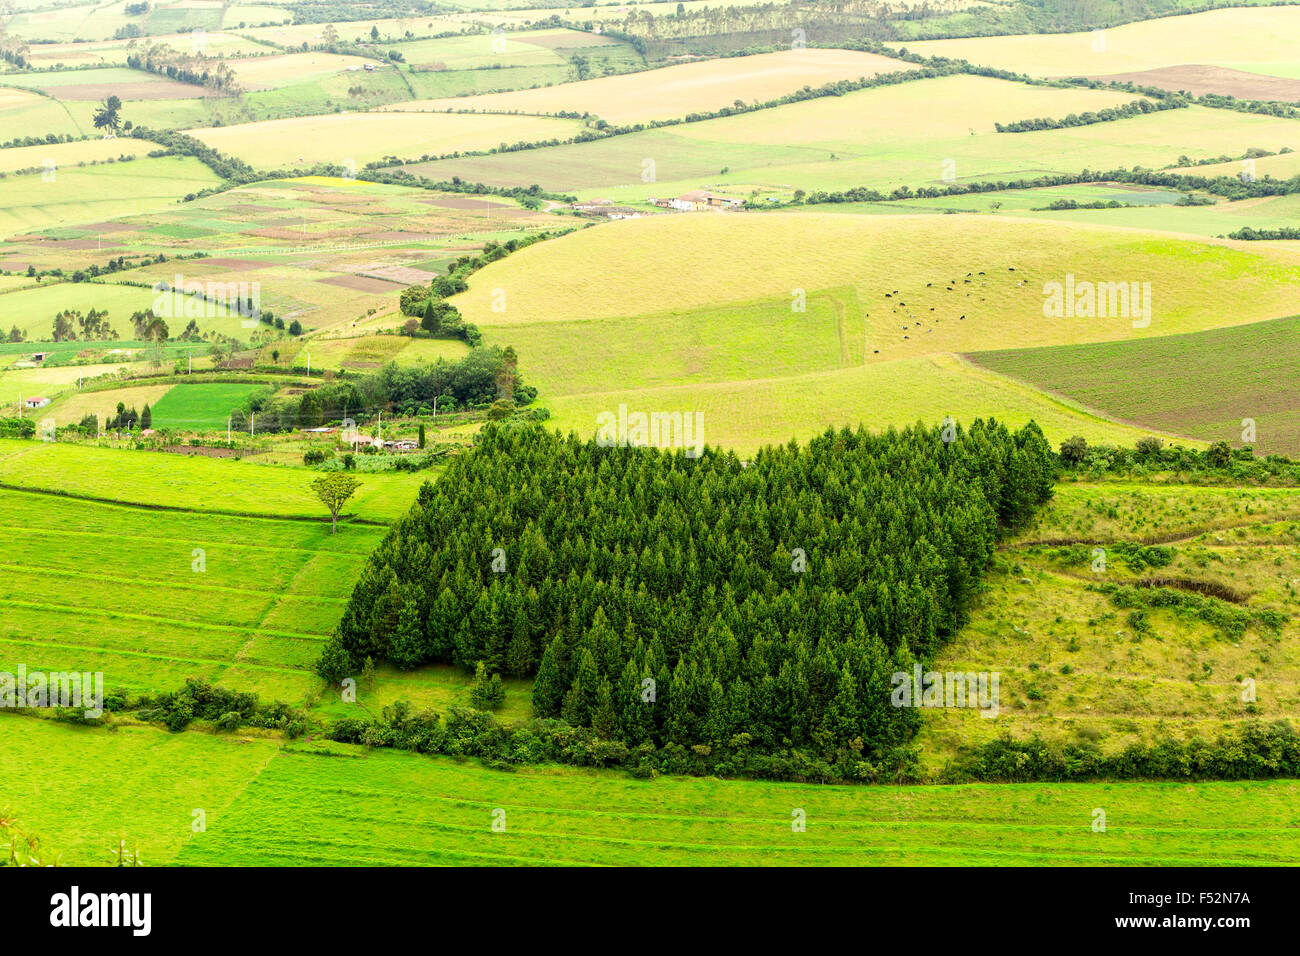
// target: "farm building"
[[699, 199], [36, 401]]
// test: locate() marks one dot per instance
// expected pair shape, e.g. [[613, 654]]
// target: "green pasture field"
[[941, 130], [63, 155], [1150, 209], [243, 602], [30, 111], [367, 352], [199, 483], [289, 806], [363, 137], [32, 310], [1202, 384], [200, 407], [1077, 669], [886, 302], [96, 193]]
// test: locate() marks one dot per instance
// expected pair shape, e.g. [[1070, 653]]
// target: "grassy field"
[[73, 407], [289, 806], [1148, 209], [94, 193], [362, 138], [63, 155], [243, 602], [887, 302], [199, 407], [940, 130], [1078, 669], [328, 252], [205, 484], [1202, 384], [675, 91], [33, 309], [1241, 38]]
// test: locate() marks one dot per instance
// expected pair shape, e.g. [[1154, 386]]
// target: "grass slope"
[[1202, 384], [293, 807], [889, 300]]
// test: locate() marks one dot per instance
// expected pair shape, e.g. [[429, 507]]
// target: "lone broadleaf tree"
[[334, 490]]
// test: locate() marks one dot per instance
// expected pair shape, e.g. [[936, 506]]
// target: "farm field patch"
[[941, 130], [1202, 384], [675, 91], [1235, 37], [867, 333], [366, 137], [91, 193], [195, 482], [395, 808], [199, 407], [1079, 668]]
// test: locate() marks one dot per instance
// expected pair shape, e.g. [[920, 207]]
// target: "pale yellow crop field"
[[675, 91], [363, 137], [1283, 166], [69, 154], [746, 415], [312, 33], [773, 328], [71, 409], [1231, 38], [899, 267], [271, 72], [114, 52]]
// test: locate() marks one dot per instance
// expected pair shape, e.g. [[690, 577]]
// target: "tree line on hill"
[[432, 316], [1088, 118], [659, 599]]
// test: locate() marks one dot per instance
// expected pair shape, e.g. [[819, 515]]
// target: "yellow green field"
[[1237, 38], [95, 193], [928, 132], [364, 137], [386, 808], [1076, 668], [886, 304], [675, 91]]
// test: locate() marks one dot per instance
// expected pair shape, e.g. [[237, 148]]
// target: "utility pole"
[[252, 418], [309, 364]]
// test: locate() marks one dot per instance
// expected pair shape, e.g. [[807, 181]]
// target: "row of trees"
[[664, 599]]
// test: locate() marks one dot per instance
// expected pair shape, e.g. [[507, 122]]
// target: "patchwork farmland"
[[700, 434]]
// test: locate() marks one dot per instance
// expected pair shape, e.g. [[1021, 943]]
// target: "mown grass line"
[[176, 586], [158, 618], [208, 542], [182, 509], [296, 671]]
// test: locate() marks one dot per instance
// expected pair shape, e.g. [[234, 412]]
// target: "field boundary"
[[153, 506]]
